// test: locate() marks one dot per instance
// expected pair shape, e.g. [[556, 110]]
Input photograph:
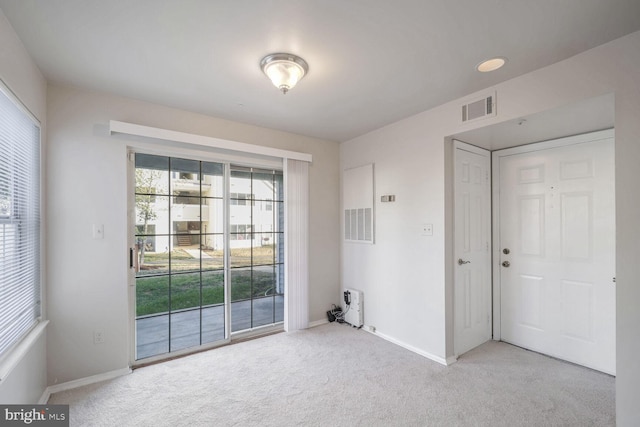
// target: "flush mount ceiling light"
[[284, 69], [491, 64]]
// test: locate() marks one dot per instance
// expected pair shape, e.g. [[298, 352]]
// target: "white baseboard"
[[448, 361], [82, 382], [451, 360], [45, 397], [318, 323]]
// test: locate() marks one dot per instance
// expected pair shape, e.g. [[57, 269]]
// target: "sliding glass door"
[[197, 231], [257, 248]]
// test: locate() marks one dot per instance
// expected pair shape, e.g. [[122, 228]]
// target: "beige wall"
[[27, 381], [407, 278], [87, 184]]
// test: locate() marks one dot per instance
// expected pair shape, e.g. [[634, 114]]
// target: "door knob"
[[461, 261], [506, 263]]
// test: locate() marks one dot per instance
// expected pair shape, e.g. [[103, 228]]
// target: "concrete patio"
[[152, 333]]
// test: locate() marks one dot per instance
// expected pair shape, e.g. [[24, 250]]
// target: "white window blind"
[[19, 221]]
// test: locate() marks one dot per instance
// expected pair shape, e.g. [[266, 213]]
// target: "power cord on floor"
[[336, 314]]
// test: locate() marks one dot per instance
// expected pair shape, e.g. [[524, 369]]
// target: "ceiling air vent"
[[479, 108]]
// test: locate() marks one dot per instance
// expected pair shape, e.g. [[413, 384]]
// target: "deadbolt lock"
[[506, 251], [506, 263]]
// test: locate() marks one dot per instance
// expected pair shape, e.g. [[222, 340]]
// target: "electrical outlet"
[[427, 229], [98, 337]]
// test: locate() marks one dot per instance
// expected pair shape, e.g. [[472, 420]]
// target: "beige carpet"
[[336, 375]]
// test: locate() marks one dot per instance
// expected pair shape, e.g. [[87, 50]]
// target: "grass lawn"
[[152, 292]]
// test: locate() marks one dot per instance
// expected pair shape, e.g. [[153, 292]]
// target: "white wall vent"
[[479, 108]]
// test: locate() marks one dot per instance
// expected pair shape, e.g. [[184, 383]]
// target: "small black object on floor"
[[335, 314]]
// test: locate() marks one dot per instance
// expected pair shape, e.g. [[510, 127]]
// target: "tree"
[[147, 181]]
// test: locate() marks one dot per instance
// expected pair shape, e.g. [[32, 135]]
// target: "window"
[[189, 251], [19, 221], [179, 247], [256, 248]]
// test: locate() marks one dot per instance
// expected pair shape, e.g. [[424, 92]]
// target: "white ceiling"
[[372, 62], [588, 115]]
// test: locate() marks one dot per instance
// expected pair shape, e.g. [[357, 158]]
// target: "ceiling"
[[372, 62], [585, 116]]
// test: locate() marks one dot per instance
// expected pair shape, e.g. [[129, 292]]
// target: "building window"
[[240, 231], [20, 305], [241, 199]]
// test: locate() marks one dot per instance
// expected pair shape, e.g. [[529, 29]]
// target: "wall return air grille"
[[358, 224], [357, 199], [479, 108]]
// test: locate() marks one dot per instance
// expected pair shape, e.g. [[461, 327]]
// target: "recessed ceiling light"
[[491, 64]]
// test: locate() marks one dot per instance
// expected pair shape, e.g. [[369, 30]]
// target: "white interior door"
[[472, 277], [557, 248]]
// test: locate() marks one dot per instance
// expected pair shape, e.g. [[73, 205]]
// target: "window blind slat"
[[19, 221]]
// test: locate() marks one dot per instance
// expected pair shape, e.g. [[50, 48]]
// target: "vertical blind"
[[296, 315], [19, 221]]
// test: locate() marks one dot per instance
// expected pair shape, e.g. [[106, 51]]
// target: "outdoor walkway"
[[152, 333]]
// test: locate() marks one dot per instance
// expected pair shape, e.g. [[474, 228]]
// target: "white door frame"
[[459, 145], [496, 155]]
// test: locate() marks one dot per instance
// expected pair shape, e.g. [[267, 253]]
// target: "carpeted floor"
[[336, 375]]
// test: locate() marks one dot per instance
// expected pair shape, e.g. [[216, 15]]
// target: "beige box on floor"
[[353, 313]]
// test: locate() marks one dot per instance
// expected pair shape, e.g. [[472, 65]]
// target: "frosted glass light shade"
[[285, 70]]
